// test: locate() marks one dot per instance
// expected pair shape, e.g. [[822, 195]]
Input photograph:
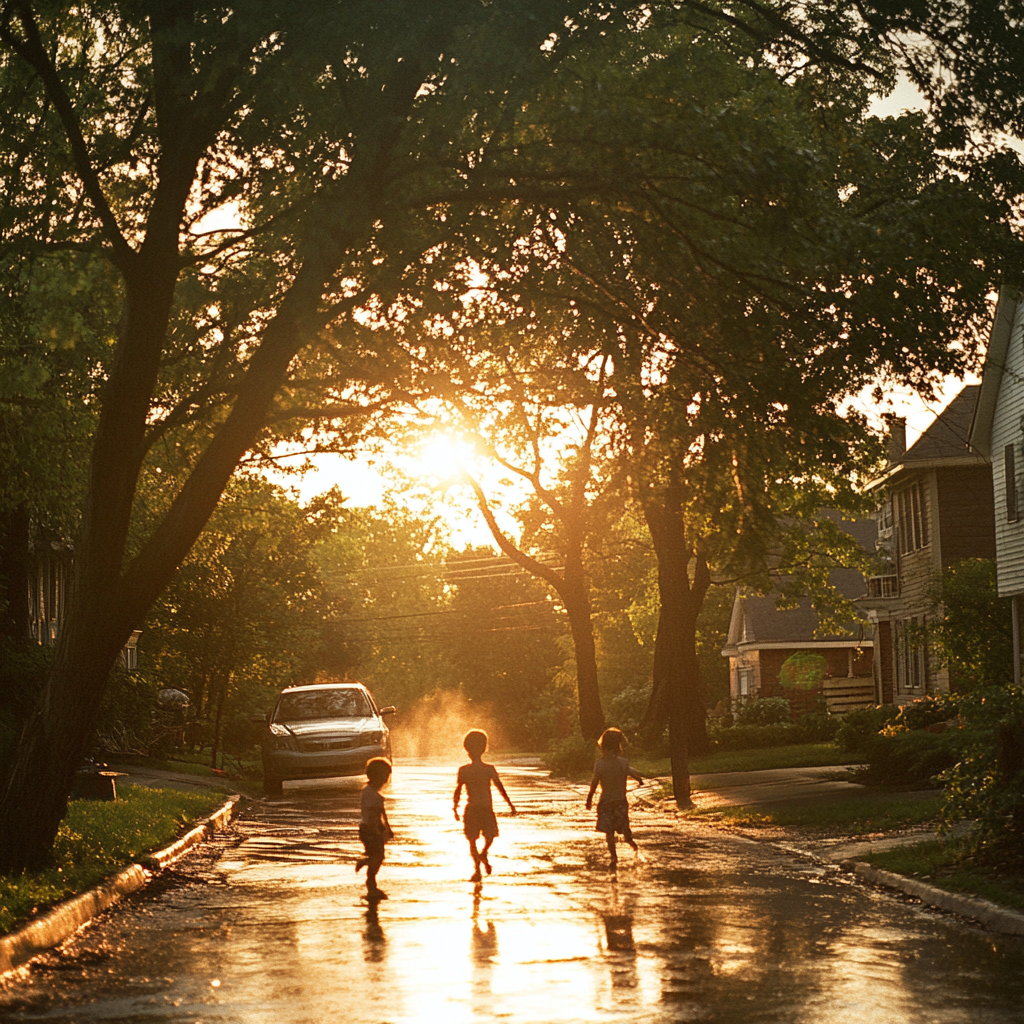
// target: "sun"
[[443, 457]]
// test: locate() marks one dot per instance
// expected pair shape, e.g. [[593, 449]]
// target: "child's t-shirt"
[[611, 771], [372, 805], [477, 777]]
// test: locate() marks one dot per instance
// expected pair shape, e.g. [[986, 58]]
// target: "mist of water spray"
[[435, 725]]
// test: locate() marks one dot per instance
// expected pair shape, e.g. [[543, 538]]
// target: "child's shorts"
[[479, 821], [373, 840], [612, 817]]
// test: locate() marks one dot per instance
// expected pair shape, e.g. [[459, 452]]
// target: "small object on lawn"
[[95, 785]]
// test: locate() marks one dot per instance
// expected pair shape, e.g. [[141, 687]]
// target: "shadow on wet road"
[[267, 924]]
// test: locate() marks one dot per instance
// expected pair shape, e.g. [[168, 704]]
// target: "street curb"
[[63, 920], [160, 859], [991, 915]]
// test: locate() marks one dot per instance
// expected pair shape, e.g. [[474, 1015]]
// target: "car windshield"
[[298, 707]]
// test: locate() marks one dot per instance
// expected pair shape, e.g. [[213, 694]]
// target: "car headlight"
[[283, 739], [375, 737]]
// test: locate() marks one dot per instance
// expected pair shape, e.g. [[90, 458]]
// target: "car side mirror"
[[388, 711], [259, 719]]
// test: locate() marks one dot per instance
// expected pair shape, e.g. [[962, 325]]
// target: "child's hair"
[[611, 740], [378, 770], [475, 742]]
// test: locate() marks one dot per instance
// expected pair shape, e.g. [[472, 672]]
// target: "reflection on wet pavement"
[[267, 925]]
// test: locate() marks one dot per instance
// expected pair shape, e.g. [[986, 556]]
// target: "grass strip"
[[801, 755], [856, 815], [949, 865], [95, 839]]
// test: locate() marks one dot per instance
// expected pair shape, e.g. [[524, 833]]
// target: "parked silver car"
[[322, 731]]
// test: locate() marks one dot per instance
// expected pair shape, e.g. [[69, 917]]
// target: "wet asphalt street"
[[267, 924]]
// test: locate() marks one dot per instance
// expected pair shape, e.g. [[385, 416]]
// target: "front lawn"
[[856, 815], [802, 755], [96, 838]]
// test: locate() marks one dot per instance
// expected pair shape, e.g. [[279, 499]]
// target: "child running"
[[610, 773], [374, 829], [478, 819]]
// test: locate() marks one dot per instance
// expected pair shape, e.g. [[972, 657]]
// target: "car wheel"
[[272, 786]]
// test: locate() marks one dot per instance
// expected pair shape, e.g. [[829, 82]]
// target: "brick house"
[[762, 637]]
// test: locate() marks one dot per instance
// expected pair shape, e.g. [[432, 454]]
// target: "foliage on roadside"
[[814, 727], [986, 785], [572, 757], [96, 838], [915, 758], [857, 727], [969, 630]]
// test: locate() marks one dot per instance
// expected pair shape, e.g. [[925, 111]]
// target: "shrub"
[[815, 727], [987, 783], [910, 758], [858, 727], [925, 711], [572, 757], [764, 711]]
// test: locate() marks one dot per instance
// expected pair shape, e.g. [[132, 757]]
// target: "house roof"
[[980, 437], [943, 444], [758, 621]]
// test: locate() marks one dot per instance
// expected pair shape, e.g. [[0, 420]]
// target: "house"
[[997, 435], [934, 509], [762, 638]]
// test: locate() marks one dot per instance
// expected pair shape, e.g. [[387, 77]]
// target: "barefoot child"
[[374, 829], [478, 819], [610, 773]]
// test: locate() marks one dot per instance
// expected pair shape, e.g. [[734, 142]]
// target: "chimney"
[[897, 437]]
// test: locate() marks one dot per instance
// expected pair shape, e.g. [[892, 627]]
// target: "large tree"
[[771, 251], [238, 169]]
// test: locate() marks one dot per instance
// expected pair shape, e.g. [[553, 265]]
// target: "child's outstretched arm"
[[458, 796], [501, 790], [634, 774], [593, 790], [388, 830]]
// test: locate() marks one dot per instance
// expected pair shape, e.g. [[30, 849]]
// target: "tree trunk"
[[14, 533], [575, 594], [215, 743], [676, 697]]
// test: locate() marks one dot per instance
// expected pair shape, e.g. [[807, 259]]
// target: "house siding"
[[1008, 429]]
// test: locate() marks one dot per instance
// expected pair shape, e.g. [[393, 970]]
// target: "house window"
[[911, 518], [1010, 484], [744, 678], [911, 654]]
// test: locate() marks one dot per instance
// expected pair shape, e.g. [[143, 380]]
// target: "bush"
[[987, 783], [910, 758], [816, 727], [925, 711], [764, 711], [572, 757], [858, 727]]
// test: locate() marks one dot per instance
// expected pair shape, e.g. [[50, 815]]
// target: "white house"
[[998, 434]]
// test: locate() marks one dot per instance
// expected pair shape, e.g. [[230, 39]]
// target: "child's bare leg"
[[483, 854], [611, 849], [373, 865], [476, 861], [628, 836]]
